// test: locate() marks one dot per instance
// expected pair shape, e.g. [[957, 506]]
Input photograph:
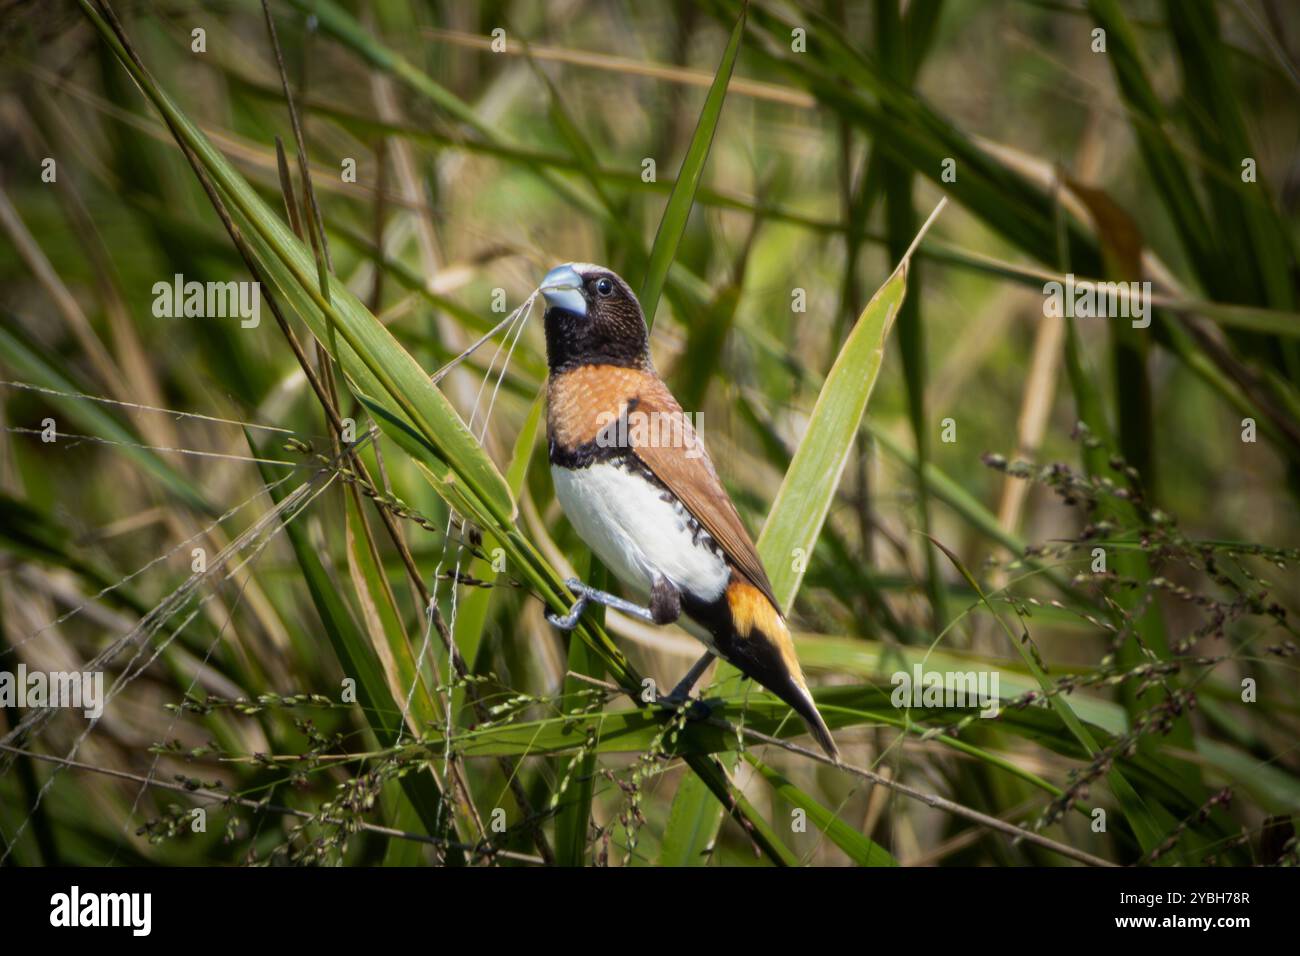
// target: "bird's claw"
[[569, 621]]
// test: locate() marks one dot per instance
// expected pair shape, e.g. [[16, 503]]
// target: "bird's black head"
[[592, 318]]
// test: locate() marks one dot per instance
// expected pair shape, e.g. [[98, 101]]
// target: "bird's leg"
[[679, 694], [586, 594], [665, 607]]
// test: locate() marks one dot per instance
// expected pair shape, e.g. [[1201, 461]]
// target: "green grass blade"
[[382, 617], [678, 210], [806, 492], [861, 850]]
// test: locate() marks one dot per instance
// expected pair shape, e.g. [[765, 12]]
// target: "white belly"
[[625, 520]]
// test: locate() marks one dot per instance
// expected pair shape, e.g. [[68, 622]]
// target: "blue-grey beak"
[[562, 289]]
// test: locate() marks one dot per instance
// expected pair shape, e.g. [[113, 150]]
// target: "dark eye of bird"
[[604, 286]]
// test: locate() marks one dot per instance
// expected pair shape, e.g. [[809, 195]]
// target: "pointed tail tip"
[[822, 734], [807, 709]]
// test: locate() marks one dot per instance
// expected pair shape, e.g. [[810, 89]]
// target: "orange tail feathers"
[[762, 648]]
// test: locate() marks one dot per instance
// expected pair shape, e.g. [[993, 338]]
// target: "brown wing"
[[679, 460]]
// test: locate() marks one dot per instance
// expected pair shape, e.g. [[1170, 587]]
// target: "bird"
[[631, 473]]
